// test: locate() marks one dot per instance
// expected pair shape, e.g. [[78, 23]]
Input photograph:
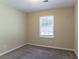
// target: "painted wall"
[[76, 29], [16, 27], [11, 28], [64, 28]]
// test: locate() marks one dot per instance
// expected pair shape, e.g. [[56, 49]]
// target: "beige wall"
[[14, 30], [76, 29], [11, 28], [64, 28]]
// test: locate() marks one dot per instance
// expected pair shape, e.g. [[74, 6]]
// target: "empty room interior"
[[38, 29]]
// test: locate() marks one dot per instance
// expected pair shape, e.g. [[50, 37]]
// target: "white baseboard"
[[11, 50], [36, 45], [52, 47], [76, 53]]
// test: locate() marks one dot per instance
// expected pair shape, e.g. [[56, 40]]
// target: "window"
[[47, 26]]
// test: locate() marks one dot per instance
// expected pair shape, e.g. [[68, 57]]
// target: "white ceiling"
[[30, 5]]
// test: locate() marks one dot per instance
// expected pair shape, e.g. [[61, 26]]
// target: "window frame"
[[46, 36]]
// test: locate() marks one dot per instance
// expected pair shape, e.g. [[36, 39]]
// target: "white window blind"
[[47, 26]]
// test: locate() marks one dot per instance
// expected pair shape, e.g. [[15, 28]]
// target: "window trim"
[[46, 36]]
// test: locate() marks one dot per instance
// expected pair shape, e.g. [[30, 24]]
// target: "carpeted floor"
[[35, 52]]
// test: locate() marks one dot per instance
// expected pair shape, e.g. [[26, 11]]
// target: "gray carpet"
[[35, 52]]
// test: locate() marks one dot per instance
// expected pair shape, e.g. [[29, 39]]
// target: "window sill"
[[47, 36]]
